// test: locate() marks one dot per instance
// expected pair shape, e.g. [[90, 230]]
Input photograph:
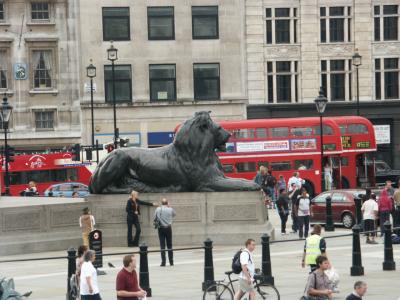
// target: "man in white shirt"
[[88, 286], [370, 213], [296, 180], [248, 270]]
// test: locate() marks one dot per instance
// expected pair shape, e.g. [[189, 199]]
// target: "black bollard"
[[144, 270], [71, 270], [388, 263], [356, 269], [208, 264], [266, 260], [357, 201], [329, 219]]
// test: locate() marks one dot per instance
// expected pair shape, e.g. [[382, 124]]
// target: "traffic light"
[[109, 147], [89, 153], [76, 152], [10, 154], [123, 142]]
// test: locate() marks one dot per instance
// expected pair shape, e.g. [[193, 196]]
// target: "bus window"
[[16, 178], [343, 129], [58, 175], [39, 176], [305, 164], [246, 167], [301, 131], [243, 133], [344, 161], [228, 168], [261, 133], [357, 128], [72, 174], [327, 130], [262, 163], [281, 166], [279, 132]]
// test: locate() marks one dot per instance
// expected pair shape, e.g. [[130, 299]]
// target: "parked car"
[[383, 172], [67, 189], [343, 206]]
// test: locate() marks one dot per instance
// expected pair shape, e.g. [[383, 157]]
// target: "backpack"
[[270, 181], [236, 265]]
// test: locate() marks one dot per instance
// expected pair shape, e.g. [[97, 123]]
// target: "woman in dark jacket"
[[133, 213]]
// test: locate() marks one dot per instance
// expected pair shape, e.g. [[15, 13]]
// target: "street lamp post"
[[112, 55], [6, 110], [91, 73], [357, 63], [320, 103]]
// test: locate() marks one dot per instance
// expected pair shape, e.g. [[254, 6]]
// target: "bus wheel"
[[347, 220], [310, 188], [345, 183]]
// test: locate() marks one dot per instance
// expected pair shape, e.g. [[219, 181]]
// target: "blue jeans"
[[271, 193], [383, 217]]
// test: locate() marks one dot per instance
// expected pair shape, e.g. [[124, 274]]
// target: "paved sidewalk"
[[48, 279]]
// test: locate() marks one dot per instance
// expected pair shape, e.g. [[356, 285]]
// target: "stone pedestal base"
[[45, 224]]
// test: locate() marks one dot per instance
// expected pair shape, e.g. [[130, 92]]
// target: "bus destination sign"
[[346, 142]]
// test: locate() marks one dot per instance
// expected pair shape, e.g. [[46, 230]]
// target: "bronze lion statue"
[[189, 164]]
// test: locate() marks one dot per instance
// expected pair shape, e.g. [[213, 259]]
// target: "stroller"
[[8, 292]]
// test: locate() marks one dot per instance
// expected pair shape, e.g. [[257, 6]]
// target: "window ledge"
[[9, 93], [44, 129], [51, 91], [44, 23], [5, 24]]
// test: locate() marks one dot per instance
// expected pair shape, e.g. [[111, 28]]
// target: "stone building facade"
[[174, 58], [39, 72], [294, 47]]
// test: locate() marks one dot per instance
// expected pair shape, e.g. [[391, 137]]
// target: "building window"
[[335, 24], [2, 16], [281, 25], [206, 81], [40, 11], [122, 81], [386, 22], [205, 22], [3, 69], [42, 62], [116, 24], [44, 119], [162, 82], [282, 81], [336, 79], [387, 78], [160, 23]]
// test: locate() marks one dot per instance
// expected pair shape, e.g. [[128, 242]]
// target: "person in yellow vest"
[[86, 222], [314, 246]]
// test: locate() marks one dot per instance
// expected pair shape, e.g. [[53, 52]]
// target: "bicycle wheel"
[[218, 291], [267, 292]]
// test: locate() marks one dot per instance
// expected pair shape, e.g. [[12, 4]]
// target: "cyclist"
[[247, 274]]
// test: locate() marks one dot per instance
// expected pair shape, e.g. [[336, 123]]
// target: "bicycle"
[[225, 291]]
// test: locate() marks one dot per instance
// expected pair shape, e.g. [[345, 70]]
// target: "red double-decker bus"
[[358, 143], [45, 170], [293, 144]]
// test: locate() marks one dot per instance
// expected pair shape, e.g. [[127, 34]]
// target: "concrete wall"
[[44, 224]]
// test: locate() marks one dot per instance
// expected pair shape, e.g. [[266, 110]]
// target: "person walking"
[[89, 287], [269, 186], [396, 200], [318, 284], [328, 179], [360, 288], [248, 269], [385, 207], [281, 184], [296, 180], [86, 223], [282, 205], [293, 195], [259, 178], [127, 284], [165, 214], [370, 210], [303, 213], [133, 213], [314, 246]]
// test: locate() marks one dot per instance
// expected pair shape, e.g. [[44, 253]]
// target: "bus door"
[[364, 171], [336, 166]]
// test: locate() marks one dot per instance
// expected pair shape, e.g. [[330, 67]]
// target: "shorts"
[[369, 225], [244, 286]]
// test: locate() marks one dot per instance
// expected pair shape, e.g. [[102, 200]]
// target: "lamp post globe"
[[112, 53], [321, 101], [91, 70]]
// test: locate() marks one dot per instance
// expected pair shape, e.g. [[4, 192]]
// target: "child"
[[86, 222]]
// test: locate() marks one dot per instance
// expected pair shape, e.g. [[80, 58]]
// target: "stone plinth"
[[43, 224]]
